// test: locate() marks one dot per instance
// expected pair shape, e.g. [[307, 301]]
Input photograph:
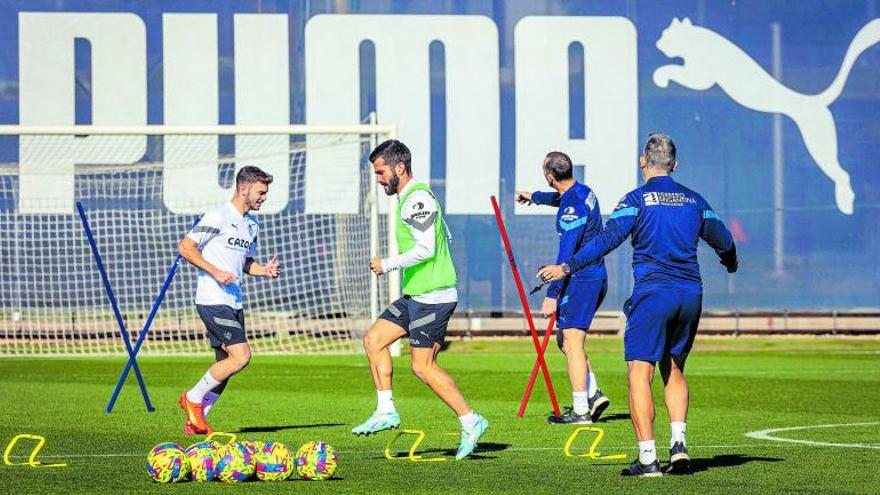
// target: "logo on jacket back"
[[666, 199], [705, 52], [568, 214]]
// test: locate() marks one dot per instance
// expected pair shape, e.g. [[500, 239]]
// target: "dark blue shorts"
[[225, 325], [579, 303], [424, 323], [661, 321]]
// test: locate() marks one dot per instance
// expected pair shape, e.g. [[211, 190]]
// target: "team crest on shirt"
[[568, 214], [419, 216], [253, 227]]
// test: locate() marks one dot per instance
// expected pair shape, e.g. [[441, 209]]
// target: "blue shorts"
[[661, 321], [579, 303]]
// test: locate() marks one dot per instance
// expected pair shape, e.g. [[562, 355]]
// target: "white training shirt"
[[226, 239], [419, 213]]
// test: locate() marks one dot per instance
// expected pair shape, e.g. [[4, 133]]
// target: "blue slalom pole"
[[109, 289], [137, 346]]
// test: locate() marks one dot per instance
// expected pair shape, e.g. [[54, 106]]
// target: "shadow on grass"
[[483, 448], [272, 429], [606, 418], [296, 479], [613, 417], [725, 460]]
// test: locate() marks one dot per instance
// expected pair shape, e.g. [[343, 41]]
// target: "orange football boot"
[[195, 417]]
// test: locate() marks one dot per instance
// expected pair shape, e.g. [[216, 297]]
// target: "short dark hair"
[[660, 152], [558, 164], [393, 152], [251, 174]]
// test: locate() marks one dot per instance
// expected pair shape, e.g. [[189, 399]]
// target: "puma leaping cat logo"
[[711, 59]]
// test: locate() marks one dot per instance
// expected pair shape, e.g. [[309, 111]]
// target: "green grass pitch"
[[737, 386]]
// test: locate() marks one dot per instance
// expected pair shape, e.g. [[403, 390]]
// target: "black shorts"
[[225, 325], [424, 323]]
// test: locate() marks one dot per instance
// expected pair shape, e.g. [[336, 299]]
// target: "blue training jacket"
[[578, 219], [666, 221]]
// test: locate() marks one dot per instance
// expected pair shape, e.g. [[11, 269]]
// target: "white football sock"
[[677, 432], [209, 400], [592, 384], [385, 402], [647, 452], [580, 402], [202, 387], [468, 420]]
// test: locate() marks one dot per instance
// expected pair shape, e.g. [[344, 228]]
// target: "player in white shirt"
[[222, 246]]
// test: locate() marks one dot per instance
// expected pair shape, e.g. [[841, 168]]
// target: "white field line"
[[478, 450], [767, 435], [758, 435]]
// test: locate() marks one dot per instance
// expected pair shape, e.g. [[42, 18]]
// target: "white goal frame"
[[375, 131]]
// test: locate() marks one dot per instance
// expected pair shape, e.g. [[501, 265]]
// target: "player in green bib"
[[429, 298]]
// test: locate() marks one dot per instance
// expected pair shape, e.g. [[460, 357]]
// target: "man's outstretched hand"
[[523, 197], [273, 269]]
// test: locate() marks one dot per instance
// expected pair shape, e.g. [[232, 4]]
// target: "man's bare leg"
[[376, 341], [424, 365], [378, 338], [239, 355], [676, 394], [641, 407], [587, 401], [578, 365], [239, 358]]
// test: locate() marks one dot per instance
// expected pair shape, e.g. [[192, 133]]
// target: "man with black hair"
[[576, 299], [222, 246], [429, 298], [666, 221]]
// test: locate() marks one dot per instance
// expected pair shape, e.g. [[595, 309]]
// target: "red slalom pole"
[[525, 305], [534, 375]]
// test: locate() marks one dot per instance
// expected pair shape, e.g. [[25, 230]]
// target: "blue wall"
[[726, 150]]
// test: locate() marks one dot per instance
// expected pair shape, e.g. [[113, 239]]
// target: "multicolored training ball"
[[203, 458], [253, 445], [274, 462], [167, 463], [235, 463], [315, 461]]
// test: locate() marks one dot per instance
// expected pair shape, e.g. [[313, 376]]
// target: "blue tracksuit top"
[[578, 219], [666, 221]]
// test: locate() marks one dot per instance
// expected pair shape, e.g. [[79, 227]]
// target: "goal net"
[[141, 190]]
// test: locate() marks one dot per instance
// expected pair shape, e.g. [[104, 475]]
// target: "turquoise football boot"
[[470, 436], [378, 422]]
